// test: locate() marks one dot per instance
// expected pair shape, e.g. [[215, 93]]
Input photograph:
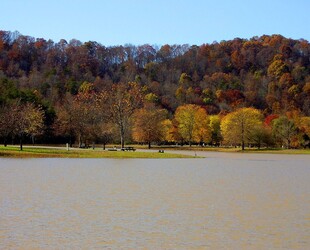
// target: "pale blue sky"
[[117, 22]]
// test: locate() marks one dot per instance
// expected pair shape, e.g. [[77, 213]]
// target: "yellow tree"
[[202, 131], [29, 120], [304, 125], [192, 123], [277, 68], [170, 131], [240, 126], [284, 129], [147, 124], [215, 126]]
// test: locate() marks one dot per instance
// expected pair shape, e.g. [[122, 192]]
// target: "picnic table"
[[128, 149]]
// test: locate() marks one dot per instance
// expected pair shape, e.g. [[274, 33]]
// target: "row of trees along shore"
[[240, 92]]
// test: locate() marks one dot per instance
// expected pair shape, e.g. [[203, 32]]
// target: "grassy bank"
[[278, 151], [238, 150], [41, 152], [49, 152]]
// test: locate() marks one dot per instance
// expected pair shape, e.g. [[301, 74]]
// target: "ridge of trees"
[[87, 91]]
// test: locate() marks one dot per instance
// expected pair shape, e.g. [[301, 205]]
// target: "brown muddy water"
[[224, 201]]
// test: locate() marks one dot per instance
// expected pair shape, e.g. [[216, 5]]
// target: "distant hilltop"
[[267, 73]]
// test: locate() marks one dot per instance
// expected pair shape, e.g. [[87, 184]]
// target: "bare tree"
[[120, 103]]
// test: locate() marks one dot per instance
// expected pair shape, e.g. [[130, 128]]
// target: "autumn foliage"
[[86, 93]]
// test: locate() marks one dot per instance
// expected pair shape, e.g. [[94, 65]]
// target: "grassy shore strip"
[[14, 152], [238, 150]]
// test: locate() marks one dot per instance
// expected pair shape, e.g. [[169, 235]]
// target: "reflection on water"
[[221, 202]]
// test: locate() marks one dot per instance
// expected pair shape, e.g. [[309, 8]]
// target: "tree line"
[[86, 92]]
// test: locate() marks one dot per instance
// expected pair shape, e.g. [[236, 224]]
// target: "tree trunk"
[[80, 140], [5, 142], [122, 132], [149, 145], [70, 141], [242, 135], [21, 143], [122, 141]]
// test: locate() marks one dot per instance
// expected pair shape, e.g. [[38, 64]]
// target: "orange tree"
[[79, 115], [147, 124]]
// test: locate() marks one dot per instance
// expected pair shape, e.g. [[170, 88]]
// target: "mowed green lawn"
[[247, 150], [41, 152]]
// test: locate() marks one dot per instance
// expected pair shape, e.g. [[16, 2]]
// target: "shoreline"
[[142, 152], [247, 150], [62, 152]]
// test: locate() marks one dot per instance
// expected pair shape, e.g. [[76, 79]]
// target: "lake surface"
[[224, 201]]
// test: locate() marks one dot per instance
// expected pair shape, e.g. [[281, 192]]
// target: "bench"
[[128, 149]]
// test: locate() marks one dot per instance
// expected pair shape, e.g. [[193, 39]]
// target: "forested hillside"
[[268, 73]]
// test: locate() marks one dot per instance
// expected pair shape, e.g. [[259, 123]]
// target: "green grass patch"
[[278, 151], [239, 150], [32, 152]]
